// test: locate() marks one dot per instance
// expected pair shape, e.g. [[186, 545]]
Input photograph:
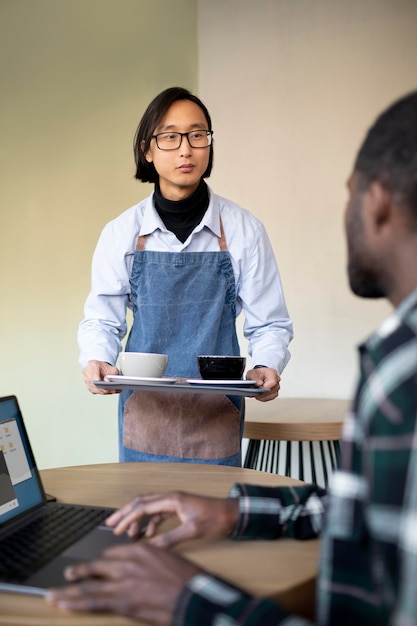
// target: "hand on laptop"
[[139, 581], [198, 517]]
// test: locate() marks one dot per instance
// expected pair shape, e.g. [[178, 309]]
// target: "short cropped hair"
[[152, 117], [389, 151]]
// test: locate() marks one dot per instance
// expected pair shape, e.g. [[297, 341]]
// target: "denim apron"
[[184, 304]]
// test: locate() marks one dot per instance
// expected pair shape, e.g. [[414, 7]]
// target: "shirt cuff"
[[260, 512], [206, 599]]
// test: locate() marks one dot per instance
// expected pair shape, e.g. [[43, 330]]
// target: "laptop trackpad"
[[90, 546], [94, 543]]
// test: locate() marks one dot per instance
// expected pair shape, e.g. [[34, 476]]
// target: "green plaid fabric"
[[368, 521]]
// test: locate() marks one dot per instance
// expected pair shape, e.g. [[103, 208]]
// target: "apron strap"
[[141, 241], [222, 238], [140, 244]]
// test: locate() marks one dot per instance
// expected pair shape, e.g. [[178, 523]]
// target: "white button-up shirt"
[[259, 293]]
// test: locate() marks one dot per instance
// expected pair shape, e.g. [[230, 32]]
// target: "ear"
[[379, 204], [148, 155]]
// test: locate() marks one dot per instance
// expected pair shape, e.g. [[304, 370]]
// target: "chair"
[[297, 437]]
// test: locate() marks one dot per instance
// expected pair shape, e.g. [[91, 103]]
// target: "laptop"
[[39, 538]]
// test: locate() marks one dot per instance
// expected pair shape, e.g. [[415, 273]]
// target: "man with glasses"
[[186, 262]]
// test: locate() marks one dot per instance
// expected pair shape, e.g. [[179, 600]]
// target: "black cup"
[[216, 367]]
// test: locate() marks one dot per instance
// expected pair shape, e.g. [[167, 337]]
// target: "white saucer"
[[221, 383], [140, 379]]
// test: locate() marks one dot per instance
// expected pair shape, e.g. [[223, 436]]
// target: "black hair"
[[152, 117], [389, 151]]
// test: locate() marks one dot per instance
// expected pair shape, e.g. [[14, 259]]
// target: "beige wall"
[[75, 77], [292, 85]]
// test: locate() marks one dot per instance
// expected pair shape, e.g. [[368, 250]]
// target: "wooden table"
[[283, 569], [303, 420]]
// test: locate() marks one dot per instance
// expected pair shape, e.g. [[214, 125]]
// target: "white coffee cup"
[[143, 364]]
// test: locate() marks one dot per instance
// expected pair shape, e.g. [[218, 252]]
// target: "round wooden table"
[[284, 569]]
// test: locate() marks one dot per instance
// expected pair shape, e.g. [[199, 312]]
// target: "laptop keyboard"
[[35, 544]]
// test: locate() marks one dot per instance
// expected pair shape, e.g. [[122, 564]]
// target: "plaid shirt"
[[368, 568]]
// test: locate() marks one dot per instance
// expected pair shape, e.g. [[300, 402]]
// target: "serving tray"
[[184, 387]]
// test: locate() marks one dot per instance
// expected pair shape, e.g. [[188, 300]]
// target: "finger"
[[134, 506], [268, 395], [99, 391], [111, 565], [121, 513], [175, 536], [80, 571], [152, 525], [95, 390], [135, 510], [130, 524], [91, 595]]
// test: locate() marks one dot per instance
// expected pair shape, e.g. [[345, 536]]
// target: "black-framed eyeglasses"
[[172, 141]]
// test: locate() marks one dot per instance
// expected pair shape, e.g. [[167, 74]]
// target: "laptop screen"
[[20, 487]]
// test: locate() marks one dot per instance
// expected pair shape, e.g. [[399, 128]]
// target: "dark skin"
[[141, 582], [197, 517], [145, 582], [382, 242]]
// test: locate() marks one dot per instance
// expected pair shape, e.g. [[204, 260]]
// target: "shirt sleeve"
[[104, 324], [208, 601], [265, 513], [267, 327], [270, 512]]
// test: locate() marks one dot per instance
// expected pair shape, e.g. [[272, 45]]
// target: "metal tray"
[[184, 388]]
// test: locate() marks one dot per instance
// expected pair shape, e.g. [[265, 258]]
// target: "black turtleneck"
[[182, 216]]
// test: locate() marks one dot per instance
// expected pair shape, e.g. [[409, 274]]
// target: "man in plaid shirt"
[[368, 519]]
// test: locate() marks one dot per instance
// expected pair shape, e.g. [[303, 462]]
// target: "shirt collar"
[[393, 321], [211, 219], [151, 220]]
